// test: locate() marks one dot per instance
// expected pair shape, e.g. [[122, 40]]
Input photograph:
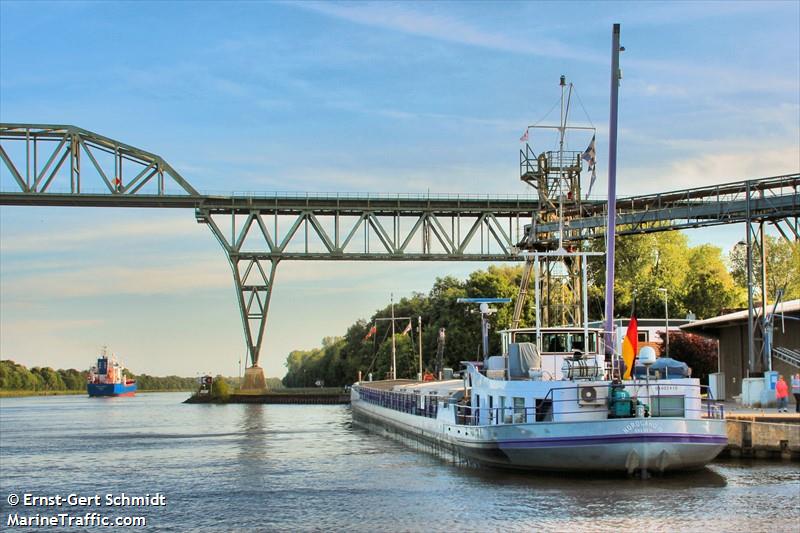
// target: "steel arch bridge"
[[61, 165]]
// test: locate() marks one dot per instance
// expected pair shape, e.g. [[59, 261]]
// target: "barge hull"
[[623, 445]]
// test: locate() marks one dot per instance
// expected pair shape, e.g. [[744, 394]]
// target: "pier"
[[763, 435], [300, 396]]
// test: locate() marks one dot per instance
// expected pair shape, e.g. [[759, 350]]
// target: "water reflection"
[[253, 445], [705, 477]]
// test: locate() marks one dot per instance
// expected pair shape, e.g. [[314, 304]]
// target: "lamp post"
[[666, 316]]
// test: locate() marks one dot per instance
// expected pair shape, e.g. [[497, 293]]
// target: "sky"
[[348, 97]]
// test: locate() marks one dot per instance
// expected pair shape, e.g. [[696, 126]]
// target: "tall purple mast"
[[612, 189]]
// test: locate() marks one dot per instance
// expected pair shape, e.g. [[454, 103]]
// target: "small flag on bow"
[[524, 137], [408, 328], [371, 332]]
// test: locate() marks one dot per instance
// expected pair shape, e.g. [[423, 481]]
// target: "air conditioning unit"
[[588, 395]]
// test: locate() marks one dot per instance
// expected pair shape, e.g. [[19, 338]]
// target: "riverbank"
[[24, 393]]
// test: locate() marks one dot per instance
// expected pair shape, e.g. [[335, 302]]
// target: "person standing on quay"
[[782, 394], [796, 392]]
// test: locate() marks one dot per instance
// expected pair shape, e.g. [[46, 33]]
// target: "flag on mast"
[[591, 182], [524, 137], [630, 345], [589, 155], [371, 332], [408, 328]]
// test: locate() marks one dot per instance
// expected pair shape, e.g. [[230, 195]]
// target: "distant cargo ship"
[[107, 378]]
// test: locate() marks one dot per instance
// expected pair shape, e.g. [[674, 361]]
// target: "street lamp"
[[666, 316]]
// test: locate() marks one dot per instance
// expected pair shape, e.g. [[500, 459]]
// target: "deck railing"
[[428, 406], [415, 404], [654, 406]]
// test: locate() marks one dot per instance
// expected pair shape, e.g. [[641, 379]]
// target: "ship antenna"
[[485, 311]]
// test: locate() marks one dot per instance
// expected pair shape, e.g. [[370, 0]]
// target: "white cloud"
[[708, 168], [400, 18], [106, 279], [74, 236]]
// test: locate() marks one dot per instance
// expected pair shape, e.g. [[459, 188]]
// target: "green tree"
[[50, 379], [783, 268], [695, 278], [710, 288], [14, 376], [73, 379], [219, 388]]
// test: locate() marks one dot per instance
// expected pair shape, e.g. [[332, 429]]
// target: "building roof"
[[674, 323], [709, 325]]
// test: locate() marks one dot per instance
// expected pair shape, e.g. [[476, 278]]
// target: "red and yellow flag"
[[630, 346]]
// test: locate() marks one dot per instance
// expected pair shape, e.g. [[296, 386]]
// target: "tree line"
[[698, 280], [16, 377]]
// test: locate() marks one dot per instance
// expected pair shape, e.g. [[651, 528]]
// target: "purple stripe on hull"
[[612, 439]]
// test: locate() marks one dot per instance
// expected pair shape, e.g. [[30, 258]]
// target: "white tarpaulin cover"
[[522, 356]]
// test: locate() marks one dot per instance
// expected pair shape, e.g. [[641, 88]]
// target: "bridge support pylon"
[[254, 279], [253, 276]]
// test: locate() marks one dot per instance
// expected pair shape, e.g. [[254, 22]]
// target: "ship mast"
[[562, 133], [612, 191], [394, 347], [556, 177]]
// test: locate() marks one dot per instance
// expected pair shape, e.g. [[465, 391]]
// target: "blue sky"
[[375, 97]]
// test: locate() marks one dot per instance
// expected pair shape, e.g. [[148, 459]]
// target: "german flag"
[[630, 345]]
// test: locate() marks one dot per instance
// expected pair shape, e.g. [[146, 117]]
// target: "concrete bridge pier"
[[254, 379]]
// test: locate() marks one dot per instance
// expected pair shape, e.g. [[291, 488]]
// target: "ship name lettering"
[[641, 426]]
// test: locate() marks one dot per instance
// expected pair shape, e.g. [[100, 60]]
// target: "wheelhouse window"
[[554, 342], [560, 341], [519, 410], [505, 412], [577, 342]]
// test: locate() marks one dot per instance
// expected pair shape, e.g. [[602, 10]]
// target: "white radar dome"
[[647, 356]]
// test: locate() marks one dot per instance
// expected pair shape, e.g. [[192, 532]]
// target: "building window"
[[644, 336]]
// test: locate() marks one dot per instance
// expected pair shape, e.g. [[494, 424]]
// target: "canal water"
[[307, 468]]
